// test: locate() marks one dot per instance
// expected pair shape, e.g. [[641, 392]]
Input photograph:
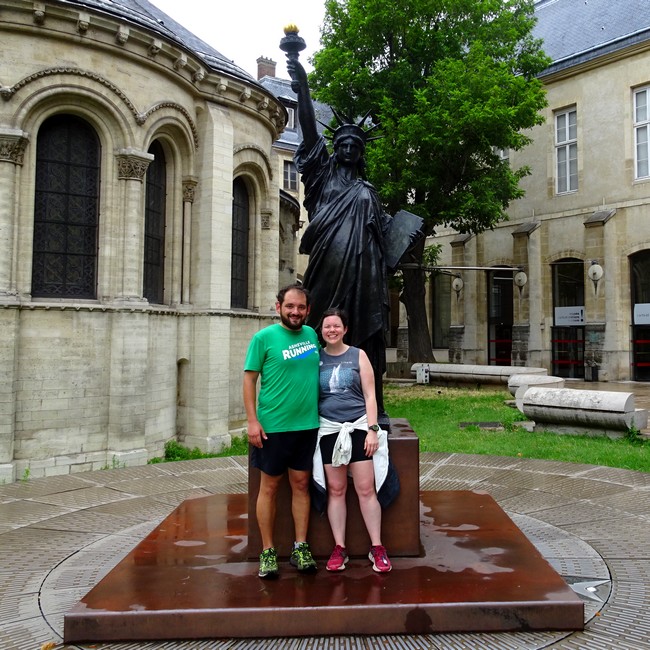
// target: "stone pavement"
[[59, 536]]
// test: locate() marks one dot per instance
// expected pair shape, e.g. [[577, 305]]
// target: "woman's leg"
[[363, 474], [337, 485]]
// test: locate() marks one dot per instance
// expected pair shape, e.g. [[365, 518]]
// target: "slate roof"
[[145, 14], [576, 31], [281, 88]]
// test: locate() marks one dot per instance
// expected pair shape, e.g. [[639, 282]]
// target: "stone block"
[[568, 410]]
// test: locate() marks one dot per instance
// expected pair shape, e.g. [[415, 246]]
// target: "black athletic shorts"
[[285, 450], [358, 441]]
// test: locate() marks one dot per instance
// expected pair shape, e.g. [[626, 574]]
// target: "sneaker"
[[302, 559], [379, 559], [338, 559], [268, 563]]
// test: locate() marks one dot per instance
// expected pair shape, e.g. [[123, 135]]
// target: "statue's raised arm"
[[292, 45]]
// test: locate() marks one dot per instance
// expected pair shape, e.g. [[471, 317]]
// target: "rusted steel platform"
[[191, 579]]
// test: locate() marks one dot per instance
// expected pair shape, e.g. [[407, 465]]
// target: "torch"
[[292, 45]]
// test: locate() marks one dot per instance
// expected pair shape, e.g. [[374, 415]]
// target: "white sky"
[[248, 29]]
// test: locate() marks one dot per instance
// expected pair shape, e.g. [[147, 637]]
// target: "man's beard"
[[292, 326]]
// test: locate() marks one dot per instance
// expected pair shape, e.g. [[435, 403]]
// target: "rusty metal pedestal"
[[191, 578]]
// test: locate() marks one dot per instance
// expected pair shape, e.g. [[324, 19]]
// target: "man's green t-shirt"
[[288, 363]]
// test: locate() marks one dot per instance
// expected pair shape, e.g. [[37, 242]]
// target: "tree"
[[451, 82]]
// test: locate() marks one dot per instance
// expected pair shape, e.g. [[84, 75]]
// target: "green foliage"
[[448, 80], [115, 464], [435, 414], [174, 451], [26, 474]]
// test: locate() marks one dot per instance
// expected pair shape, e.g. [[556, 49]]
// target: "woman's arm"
[[368, 387]]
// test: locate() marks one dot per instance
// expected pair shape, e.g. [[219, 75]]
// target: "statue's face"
[[348, 151]]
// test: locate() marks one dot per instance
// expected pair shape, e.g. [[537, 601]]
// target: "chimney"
[[265, 67]]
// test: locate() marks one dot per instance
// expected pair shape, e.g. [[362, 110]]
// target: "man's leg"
[[265, 507], [300, 502], [301, 556]]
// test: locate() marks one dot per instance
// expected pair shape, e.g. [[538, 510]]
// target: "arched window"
[[66, 209], [239, 260], [154, 227]]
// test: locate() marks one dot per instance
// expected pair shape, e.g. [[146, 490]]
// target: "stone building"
[[143, 235], [565, 282]]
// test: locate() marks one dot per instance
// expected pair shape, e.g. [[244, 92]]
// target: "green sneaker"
[[268, 563], [302, 559]]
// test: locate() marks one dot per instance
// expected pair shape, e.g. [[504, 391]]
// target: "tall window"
[[640, 294], [566, 151], [290, 176], [154, 226], [568, 331], [66, 209], [239, 260], [641, 128]]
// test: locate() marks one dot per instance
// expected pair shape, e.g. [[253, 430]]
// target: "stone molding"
[[13, 143], [132, 165], [189, 189], [7, 92]]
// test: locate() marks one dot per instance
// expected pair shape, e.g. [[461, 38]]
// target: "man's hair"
[[292, 287]]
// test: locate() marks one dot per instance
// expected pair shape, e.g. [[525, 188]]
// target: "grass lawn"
[[435, 414]]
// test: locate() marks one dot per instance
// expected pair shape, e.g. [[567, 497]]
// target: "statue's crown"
[[349, 129]]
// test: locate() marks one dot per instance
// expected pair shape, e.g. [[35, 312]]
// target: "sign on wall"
[[642, 314], [569, 316]]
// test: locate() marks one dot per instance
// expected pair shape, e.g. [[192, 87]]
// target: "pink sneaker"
[[379, 559], [338, 559]]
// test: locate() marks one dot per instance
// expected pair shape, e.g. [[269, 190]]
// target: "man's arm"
[[255, 432]]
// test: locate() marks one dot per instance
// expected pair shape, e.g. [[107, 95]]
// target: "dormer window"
[[291, 120]]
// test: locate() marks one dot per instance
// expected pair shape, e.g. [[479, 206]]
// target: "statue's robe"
[[345, 244]]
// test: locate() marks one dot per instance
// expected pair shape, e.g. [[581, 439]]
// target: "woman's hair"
[[335, 311]]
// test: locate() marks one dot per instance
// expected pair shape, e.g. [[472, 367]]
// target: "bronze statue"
[[350, 238]]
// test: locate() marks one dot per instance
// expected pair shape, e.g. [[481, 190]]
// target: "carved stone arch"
[[47, 78], [253, 166], [114, 126], [497, 262], [567, 253], [176, 136], [254, 154], [168, 112]]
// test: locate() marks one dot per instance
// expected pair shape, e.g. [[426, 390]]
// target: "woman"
[[349, 437]]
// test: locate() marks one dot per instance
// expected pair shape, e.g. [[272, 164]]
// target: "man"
[[283, 428]]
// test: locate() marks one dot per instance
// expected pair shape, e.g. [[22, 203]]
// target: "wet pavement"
[[60, 536]]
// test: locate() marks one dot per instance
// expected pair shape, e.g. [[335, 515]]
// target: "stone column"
[[596, 298], [189, 188], [457, 327], [12, 148], [132, 166], [521, 306], [128, 387]]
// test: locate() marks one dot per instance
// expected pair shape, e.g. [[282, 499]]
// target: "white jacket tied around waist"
[[343, 449]]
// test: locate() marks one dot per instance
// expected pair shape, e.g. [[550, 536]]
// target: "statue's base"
[[190, 579], [400, 526]]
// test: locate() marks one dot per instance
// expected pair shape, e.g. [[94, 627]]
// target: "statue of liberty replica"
[[351, 241]]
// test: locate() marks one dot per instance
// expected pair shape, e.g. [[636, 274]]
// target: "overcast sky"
[[248, 29]]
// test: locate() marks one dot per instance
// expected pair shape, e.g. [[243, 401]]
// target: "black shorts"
[[358, 441], [286, 450]]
